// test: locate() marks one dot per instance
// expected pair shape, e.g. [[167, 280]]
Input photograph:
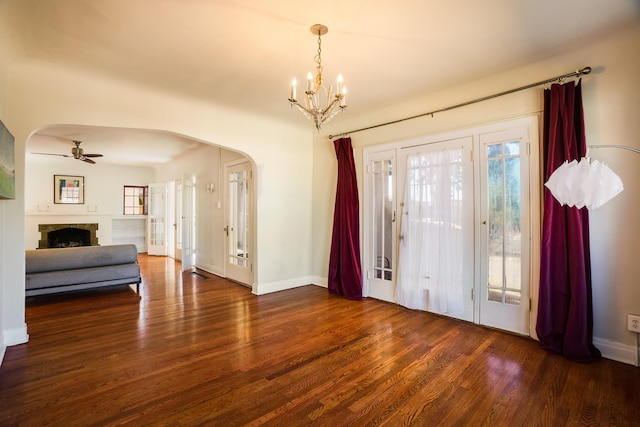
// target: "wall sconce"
[[211, 187]]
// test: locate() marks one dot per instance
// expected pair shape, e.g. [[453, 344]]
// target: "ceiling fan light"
[[77, 153]]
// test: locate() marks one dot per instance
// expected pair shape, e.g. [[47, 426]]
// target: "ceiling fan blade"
[[53, 154], [92, 155], [88, 160]]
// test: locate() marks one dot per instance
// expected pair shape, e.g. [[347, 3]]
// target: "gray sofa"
[[79, 268]]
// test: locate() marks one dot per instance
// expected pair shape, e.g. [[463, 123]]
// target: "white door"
[[187, 217], [156, 220], [441, 271], [239, 223], [177, 223], [171, 219], [504, 230], [380, 228]]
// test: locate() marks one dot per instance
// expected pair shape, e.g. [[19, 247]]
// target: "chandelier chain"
[[318, 57]]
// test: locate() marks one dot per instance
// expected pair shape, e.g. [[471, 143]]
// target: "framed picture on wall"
[[68, 189], [7, 164]]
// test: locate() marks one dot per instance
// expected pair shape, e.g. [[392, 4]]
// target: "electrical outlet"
[[633, 323]]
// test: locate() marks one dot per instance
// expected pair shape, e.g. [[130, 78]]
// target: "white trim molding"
[[282, 285], [617, 351], [12, 337]]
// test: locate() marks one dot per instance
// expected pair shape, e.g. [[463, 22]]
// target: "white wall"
[[4, 66], [611, 103], [12, 323], [103, 198]]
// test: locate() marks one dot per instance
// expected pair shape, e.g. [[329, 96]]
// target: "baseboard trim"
[[15, 336], [211, 269], [617, 351], [283, 285], [320, 281], [12, 337]]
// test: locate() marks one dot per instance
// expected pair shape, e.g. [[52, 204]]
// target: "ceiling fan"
[[76, 152]]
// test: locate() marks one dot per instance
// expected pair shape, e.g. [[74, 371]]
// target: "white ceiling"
[[244, 53], [118, 146]]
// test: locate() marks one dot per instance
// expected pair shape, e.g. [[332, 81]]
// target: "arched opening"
[[132, 157]]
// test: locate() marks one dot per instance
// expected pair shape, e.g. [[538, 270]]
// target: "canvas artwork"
[[7, 164]]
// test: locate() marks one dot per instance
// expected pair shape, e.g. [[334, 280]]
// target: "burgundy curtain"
[[345, 274], [565, 316]]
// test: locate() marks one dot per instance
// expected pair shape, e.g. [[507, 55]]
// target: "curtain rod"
[[624, 147], [577, 73]]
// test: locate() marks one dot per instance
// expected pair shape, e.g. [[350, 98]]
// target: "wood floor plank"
[[200, 350]]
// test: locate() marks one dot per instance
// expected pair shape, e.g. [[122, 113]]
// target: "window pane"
[[504, 233], [512, 148], [495, 223], [382, 214], [494, 150], [513, 243], [239, 218], [135, 200]]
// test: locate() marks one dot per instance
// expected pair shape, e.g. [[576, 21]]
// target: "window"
[[504, 241], [135, 200]]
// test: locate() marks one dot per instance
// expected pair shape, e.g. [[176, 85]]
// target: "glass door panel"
[[380, 229], [156, 220], [238, 219], [504, 277]]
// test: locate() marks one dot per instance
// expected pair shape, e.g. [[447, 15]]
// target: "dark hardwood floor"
[[204, 351]]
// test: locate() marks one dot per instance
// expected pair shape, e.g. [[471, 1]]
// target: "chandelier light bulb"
[[294, 83], [309, 82]]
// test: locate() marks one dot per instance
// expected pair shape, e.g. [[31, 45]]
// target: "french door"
[[380, 230], [436, 249], [156, 220], [504, 230], [187, 223], [495, 243], [238, 219], [177, 224]]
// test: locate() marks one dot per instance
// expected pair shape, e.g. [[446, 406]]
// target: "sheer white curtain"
[[431, 246]]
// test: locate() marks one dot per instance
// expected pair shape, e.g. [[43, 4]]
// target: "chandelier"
[[320, 103]]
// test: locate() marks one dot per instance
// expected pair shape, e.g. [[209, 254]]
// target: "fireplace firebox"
[[67, 235]]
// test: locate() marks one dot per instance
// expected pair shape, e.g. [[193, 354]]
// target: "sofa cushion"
[[58, 259], [125, 273]]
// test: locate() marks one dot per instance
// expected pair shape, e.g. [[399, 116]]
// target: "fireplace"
[[67, 235]]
